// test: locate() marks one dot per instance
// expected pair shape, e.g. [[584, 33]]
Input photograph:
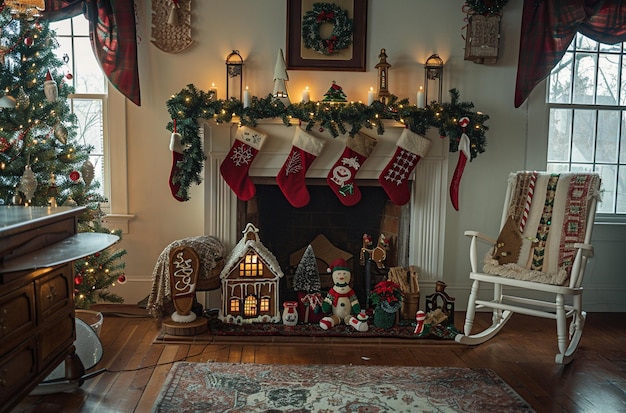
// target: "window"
[[89, 100], [586, 98]]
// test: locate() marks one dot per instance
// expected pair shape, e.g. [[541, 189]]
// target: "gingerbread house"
[[250, 279]]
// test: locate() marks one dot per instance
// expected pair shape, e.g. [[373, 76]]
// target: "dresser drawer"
[[54, 292], [17, 317], [56, 336], [17, 368]]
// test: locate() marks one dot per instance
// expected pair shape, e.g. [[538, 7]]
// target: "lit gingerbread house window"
[[250, 279]]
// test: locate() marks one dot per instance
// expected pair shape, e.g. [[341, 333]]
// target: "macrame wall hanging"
[[171, 25]]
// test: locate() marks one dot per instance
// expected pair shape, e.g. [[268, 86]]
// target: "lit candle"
[[213, 91], [246, 98], [306, 95], [420, 97], [370, 96]]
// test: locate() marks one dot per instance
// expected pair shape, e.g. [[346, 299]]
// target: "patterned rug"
[[233, 387]]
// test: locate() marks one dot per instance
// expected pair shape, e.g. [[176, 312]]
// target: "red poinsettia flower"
[[386, 290]]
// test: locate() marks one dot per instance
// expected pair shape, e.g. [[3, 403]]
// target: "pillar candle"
[[213, 90], [306, 95], [420, 97], [246, 98], [370, 96]]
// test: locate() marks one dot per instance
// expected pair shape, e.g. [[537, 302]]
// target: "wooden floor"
[[522, 354]]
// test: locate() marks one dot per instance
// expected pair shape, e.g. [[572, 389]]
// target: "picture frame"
[[351, 58]]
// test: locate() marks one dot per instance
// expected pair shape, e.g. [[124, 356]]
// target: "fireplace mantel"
[[428, 196]]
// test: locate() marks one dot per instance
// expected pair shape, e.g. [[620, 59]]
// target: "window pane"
[[583, 135], [559, 135], [608, 173], [585, 43], [612, 48], [622, 147], [65, 49], [584, 78], [89, 76], [608, 136], [62, 27], [620, 206], [607, 88], [622, 98], [561, 81], [90, 132], [81, 26]]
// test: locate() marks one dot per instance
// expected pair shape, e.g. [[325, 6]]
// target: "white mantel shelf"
[[428, 193]]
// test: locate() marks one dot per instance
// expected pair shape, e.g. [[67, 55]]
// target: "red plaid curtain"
[[113, 38], [548, 28]]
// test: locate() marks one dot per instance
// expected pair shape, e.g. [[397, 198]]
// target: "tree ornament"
[[313, 21], [4, 144], [3, 51], [60, 132], [8, 101], [78, 279], [74, 176], [28, 41], [291, 178], [335, 94], [28, 183], [88, 172], [23, 100], [69, 202], [50, 88], [122, 279]]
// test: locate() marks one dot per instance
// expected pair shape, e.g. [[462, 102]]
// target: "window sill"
[[117, 221]]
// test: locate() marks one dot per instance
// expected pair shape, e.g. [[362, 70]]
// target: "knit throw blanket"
[[547, 215]]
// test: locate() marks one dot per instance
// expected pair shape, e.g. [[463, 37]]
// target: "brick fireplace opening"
[[285, 230]]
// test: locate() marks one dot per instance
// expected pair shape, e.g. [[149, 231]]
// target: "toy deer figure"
[[377, 254]]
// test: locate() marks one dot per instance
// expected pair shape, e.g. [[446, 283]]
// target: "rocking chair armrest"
[[477, 236], [587, 249], [482, 237]]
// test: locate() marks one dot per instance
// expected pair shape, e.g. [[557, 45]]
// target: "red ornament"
[[28, 41], [78, 280], [74, 176], [321, 129], [69, 76], [122, 279], [97, 254]]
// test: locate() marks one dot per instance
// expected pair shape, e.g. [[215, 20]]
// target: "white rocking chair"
[[543, 247]]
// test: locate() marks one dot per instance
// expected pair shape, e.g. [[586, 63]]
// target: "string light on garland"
[[341, 36]]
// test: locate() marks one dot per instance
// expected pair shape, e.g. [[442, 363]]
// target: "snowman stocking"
[[341, 176], [394, 179], [177, 149], [306, 148], [235, 167]]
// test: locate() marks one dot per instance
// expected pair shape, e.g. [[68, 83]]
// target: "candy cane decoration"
[[529, 199]]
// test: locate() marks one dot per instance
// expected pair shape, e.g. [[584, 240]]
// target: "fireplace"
[[418, 225]]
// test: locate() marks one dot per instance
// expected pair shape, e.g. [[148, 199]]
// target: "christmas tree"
[[42, 159], [306, 278]]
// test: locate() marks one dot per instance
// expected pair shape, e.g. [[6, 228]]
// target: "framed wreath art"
[[325, 35]]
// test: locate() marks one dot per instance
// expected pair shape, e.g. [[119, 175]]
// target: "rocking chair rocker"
[[542, 248]]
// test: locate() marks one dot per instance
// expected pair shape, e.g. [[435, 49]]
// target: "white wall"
[[410, 31]]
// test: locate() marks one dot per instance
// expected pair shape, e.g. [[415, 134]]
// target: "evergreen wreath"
[[341, 36], [486, 6]]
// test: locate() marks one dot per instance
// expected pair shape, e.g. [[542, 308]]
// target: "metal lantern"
[[433, 78], [234, 75]]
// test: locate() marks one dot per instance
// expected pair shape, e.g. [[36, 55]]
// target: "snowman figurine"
[[341, 303]]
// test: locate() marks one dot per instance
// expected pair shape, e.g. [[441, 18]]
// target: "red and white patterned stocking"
[[235, 167], [304, 150], [394, 179], [177, 149], [341, 176], [464, 155]]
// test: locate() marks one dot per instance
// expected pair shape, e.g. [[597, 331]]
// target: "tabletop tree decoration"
[[280, 77], [335, 94], [386, 298], [306, 282]]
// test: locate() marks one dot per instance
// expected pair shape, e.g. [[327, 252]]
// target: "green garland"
[[341, 36], [191, 104], [486, 6]]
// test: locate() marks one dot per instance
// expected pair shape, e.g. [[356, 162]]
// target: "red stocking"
[[464, 154], [395, 177], [341, 176], [235, 167], [177, 156], [305, 149]]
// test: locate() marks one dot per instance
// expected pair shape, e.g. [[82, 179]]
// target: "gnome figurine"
[[341, 302]]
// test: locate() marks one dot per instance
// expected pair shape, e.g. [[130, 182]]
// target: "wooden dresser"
[[37, 328]]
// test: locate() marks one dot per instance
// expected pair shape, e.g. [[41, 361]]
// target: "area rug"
[[218, 328], [235, 387]]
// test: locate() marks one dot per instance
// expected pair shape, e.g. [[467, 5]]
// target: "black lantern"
[[433, 78], [234, 75]]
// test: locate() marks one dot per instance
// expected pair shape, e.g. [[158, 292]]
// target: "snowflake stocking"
[[177, 157], [341, 176], [305, 148], [234, 168], [394, 179]]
